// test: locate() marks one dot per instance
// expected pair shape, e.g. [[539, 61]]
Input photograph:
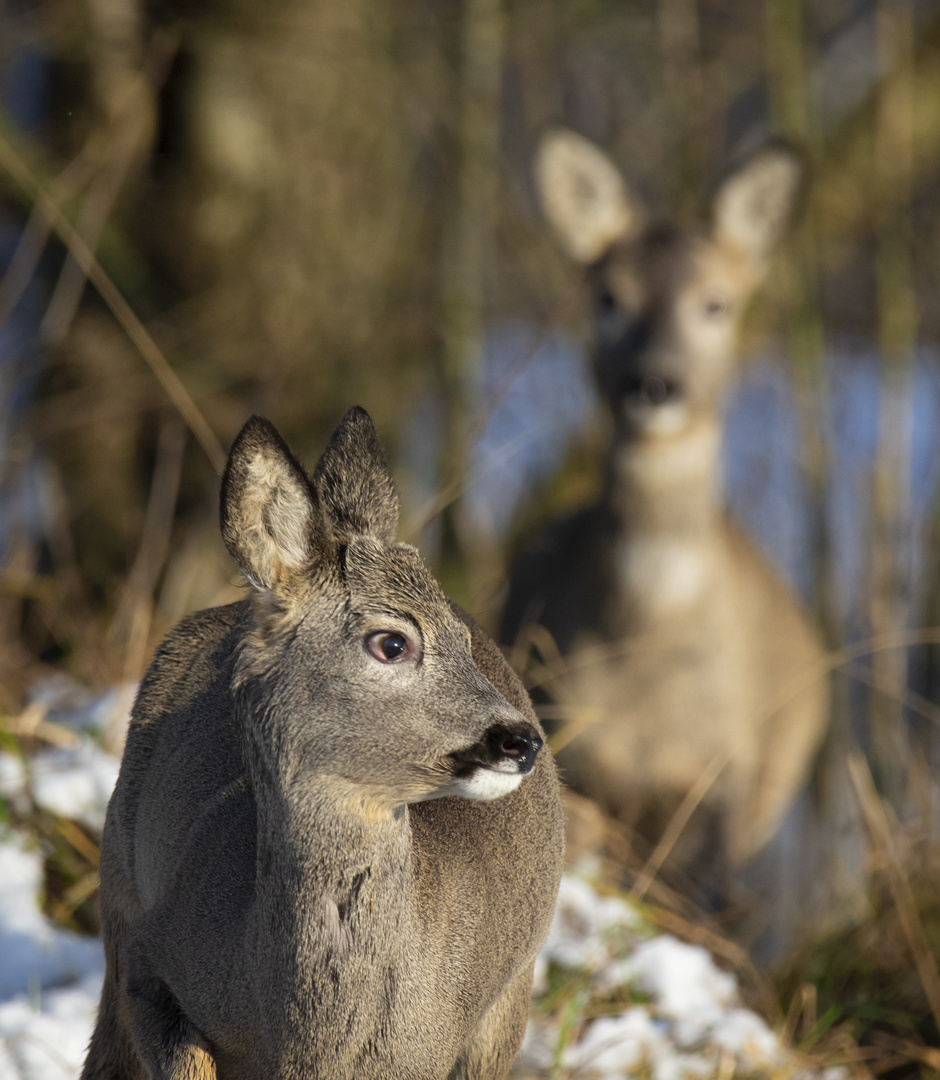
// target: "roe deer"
[[685, 655], [281, 898]]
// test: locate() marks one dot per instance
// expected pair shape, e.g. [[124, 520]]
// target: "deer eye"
[[389, 646], [606, 300], [716, 307]]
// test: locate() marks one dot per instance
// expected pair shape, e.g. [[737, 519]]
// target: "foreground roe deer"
[[335, 842], [685, 655]]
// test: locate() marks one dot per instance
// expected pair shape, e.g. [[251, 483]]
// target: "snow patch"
[[693, 1024], [35, 953], [75, 783], [45, 1036]]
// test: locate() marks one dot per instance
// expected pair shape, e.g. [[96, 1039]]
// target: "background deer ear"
[[755, 204], [354, 484], [583, 195], [271, 523]]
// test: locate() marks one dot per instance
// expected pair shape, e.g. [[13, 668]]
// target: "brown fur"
[[684, 652], [277, 900]]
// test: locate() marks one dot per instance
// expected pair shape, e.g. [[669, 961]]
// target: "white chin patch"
[[667, 419], [484, 785]]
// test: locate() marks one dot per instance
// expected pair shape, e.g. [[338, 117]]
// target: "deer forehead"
[[393, 579], [663, 269], [719, 266]]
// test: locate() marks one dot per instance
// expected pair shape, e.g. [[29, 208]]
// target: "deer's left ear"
[[755, 204]]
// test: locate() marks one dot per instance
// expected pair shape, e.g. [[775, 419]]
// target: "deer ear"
[[271, 523], [583, 195], [755, 204], [354, 484]]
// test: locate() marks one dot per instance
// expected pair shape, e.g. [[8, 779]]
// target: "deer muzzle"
[[512, 749], [506, 748], [651, 390]]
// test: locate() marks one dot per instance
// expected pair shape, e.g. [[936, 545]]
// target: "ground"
[[613, 998]]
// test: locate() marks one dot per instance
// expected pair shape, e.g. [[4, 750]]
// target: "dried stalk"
[[17, 168], [882, 838]]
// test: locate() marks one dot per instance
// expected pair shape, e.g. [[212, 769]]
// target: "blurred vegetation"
[[313, 203], [287, 207]]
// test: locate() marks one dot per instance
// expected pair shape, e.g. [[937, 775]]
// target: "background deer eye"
[[389, 646], [606, 300]]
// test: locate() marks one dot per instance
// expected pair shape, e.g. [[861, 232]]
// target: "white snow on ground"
[[75, 783], [49, 979], [684, 1020], [34, 953], [678, 1015]]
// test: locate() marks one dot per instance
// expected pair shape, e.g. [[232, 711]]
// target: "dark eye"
[[715, 307], [389, 646], [606, 300]]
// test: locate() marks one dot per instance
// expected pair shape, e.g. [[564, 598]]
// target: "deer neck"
[[328, 834], [334, 928], [667, 485], [320, 840], [333, 907], [662, 499], [318, 836]]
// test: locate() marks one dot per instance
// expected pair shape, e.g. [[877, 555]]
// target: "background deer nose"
[[652, 389], [517, 744]]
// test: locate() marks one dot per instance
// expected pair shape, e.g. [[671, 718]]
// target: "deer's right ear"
[[271, 522], [583, 195]]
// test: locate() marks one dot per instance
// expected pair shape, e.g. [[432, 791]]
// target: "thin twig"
[[836, 660], [32, 723], [678, 822], [27, 1037], [134, 615], [909, 1050], [22, 266], [127, 142], [17, 168], [82, 844], [911, 925], [890, 687], [717, 944]]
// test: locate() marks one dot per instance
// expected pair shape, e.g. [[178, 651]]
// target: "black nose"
[[651, 389], [517, 744]]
